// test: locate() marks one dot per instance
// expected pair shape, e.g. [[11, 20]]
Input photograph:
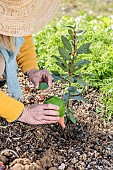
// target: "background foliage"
[[100, 34]]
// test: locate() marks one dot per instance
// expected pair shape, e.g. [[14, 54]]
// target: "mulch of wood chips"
[[86, 145]]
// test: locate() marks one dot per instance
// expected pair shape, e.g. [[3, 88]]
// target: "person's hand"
[[40, 114], [38, 76]]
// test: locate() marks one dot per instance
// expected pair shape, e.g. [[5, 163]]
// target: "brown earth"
[[86, 145]]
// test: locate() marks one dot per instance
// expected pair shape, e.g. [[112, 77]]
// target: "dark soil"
[[86, 145]]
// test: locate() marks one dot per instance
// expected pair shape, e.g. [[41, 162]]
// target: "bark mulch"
[[86, 145]]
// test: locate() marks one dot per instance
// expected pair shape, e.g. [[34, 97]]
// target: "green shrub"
[[107, 99], [47, 41], [100, 34]]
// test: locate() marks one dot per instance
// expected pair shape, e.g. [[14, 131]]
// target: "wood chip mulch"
[[86, 145]]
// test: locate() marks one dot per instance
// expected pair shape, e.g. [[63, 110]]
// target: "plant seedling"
[[71, 63]]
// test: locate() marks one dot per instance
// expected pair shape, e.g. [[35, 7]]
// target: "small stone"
[[84, 156], [26, 161], [61, 167], [3, 158], [37, 162], [78, 153], [74, 161], [17, 166], [37, 167]]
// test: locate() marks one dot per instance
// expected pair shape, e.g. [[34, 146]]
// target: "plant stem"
[[68, 102], [73, 54]]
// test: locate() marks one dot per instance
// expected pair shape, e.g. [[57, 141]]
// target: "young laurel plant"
[[71, 64]]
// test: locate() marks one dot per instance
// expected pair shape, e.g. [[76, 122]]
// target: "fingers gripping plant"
[[71, 64]]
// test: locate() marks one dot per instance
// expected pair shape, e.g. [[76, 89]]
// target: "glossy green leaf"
[[70, 27], [55, 73], [84, 49], [82, 63], [81, 32], [61, 65], [56, 57], [87, 75], [70, 79], [56, 78], [72, 89], [62, 62], [64, 53], [80, 81], [64, 75], [66, 97], [72, 118], [71, 33], [76, 93], [66, 43]]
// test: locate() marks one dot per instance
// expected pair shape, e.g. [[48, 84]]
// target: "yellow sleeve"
[[26, 59], [10, 109]]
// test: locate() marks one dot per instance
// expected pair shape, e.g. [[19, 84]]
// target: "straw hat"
[[24, 17]]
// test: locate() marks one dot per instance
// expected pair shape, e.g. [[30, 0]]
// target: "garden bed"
[[88, 144]]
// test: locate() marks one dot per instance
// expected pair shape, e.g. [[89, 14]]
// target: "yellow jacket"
[[10, 109]]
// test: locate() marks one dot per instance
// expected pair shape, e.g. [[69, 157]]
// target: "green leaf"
[[66, 43], [84, 49], [55, 73], [70, 27], [82, 62], [81, 32], [64, 75], [72, 89], [71, 33], [57, 58], [87, 75], [66, 97], [64, 53], [76, 93], [56, 78], [78, 98], [70, 79], [68, 111], [62, 62], [61, 65], [72, 118], [74, 69], [80, 81]]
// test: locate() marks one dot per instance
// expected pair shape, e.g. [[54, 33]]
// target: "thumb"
[[36, 83]]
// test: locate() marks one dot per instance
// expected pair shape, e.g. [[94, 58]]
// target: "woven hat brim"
[[28, 18]]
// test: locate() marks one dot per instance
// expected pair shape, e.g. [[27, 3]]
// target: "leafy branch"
[[68, 61]]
